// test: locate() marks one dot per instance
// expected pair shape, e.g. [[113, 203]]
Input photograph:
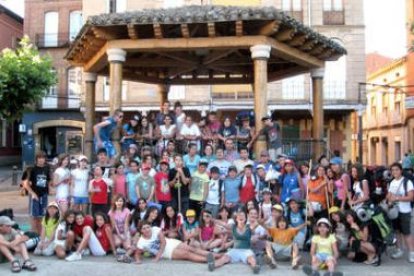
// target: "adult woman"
[[207, 137], [190, 133], [244, 133], [318, 189], [227, 131], [61, 180], [209, 153], [342, 183], [145, 132], [360, 188], [292, 186], [129, 131], [152, 240], [164, 133], [401, 192], [180, 116]]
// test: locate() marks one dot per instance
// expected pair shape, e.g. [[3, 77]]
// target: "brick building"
[[11, 31]]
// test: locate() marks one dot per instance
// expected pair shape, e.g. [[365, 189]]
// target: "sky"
[[384, 21]]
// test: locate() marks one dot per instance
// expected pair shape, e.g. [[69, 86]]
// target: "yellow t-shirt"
[[50, 227], [283, 236], [324, 245]]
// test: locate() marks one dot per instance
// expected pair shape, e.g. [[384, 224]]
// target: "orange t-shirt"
[[318, 196], [283, 236]]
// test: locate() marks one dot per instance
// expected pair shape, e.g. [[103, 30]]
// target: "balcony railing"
[[302, 149], [233, 96], [49, 40], [333, 18]]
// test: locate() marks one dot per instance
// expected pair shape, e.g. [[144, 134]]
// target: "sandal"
[[124, 259], [15, 266], [29, 265]]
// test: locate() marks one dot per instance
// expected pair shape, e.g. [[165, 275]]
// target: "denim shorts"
[[37, 208], [109, 147], [80, 200], [323, 257], [239, 255]]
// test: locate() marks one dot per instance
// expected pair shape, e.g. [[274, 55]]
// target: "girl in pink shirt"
[[119, 180], [120, 217]]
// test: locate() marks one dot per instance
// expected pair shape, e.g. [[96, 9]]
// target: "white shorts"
[[282, 252], [94, 244], [170, 246], [48, 251], [61, 243], [239, 255]]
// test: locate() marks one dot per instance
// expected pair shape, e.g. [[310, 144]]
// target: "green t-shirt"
[[50, 227], [324, 245], [146, 185], [198, 182]]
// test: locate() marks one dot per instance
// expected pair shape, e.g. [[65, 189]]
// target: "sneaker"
[[411, 257], [335, 273], [398, 253], [120, 251], [37, 251], [373, 261], [307, 269], [256, 269], [270, 262], [86, 252], [74, 257], [210, 262]]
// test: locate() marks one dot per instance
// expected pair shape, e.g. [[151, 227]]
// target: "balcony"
[[396, 118], [333, 18], [48, 40], [246, 95]]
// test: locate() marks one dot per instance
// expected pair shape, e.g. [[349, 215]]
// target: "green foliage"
[[25, 77]]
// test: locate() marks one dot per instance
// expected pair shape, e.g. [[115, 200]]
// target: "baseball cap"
[[323, 220], [266, 190], [82, 157], [135, 117], [282, 155], [53, 204], [260, 166], [335, 161], [289, 199], [334, 209], [146, 167], [289, 162], [278, 207], [4, 220], [203, 161], [190, 213], [164, 161]]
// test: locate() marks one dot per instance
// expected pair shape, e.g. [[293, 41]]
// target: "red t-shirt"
[[247, 192], [103, 237], [78, 229], [100, 197], [162, 189]]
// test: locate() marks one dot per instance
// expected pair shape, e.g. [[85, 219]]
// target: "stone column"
[[90, 82], [317, 108], [260, 55], [116, 58]]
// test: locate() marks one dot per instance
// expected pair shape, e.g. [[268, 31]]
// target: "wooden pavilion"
[[194, 45]]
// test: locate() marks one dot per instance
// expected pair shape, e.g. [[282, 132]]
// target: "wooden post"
[[317, 123], [90, 82], [260, 55], [116, 58], [163, 91]]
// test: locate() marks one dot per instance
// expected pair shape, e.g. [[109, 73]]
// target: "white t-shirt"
[[151, 245], [259, 231], [267, 211], [62, 191], [240, 164], [80, 182], [61, 227], [192, 130], [179, 121], [213, 192], [397, 188]]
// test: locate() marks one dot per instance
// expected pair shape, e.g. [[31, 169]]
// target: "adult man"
[[11, 241], [103, 132], [165, 110], [37, 185], [230, 154], [243, 160], [264, 160], [220, 163], [272, 132]]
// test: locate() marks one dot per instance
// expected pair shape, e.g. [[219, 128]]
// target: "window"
[[373, 106], [51, 29], [75, 24], [333, 5], [292, 5], [397, 106], [385, 102], [294, 88], [333, 12], [334, 82], [177, 92], [3, 131], [114, 6], [397, 151]]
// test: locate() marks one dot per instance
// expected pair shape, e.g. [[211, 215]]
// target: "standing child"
[[64, 236], [215, 187], [98, 189], [120, 216], [47, 235], [324, 250], [80, 177], [119, 180], [162, 189], [145, 185], [131, 180], [61, 180]]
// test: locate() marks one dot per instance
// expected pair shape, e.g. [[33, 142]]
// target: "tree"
[[25, 77]]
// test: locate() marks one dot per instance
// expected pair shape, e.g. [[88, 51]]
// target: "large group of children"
[[215, 205]]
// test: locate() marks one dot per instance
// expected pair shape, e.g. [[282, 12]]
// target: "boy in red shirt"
[[162, 189], [98, 190]]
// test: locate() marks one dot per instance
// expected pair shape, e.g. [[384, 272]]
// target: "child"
[[98, 189], [231, 189], [190, 227], [162, 189], [265, 207], [277, 213], [120, 216], [296, 217], [215, 187], [145, 185], [64, 236], [119, 180], [47, 235], [171, 223], [283, 245], [131, 180], [339, 228], [324, 250], [153, 216], [103, 232], [207, 239], [80, 177], [61, 180]]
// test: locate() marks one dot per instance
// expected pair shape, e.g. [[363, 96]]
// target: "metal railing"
[[303, 149], [52, 40]]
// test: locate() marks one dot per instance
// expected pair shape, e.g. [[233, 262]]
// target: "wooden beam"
[[239, 28], [103, 33], [317, 50], [298, 40], [150, 62], [97, 62], [269, 28], [132, 31], [216, 56], [231, 69], [286, 73], [157, 30], [142, 78], [174, 72], [286, 35], [325, 54], [185, 32], [211, 28], [180, 57], [207, 81]]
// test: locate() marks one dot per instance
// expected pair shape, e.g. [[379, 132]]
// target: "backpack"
[[408, 177]]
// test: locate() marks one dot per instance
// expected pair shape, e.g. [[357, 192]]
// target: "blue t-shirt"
[[192, 165], [297, 219], [131, 182], [129, 131], [223, 166], [105, 132], [290, 185], [232, 189]]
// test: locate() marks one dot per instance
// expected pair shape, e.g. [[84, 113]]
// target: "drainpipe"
[[309, 13]]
